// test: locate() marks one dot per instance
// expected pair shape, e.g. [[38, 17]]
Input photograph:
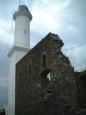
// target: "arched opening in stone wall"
[[45, 78], [44, 60], [46, 83]]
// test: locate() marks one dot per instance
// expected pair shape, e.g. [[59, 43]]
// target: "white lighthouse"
[[22, 18]]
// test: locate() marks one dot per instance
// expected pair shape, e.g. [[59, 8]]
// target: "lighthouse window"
[[24, 31]]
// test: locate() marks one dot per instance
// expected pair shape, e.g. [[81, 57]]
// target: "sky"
[[67, 18]]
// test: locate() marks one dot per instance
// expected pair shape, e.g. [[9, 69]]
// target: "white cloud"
[[76, 55], [3, 82], [46, 17], [6, 35]]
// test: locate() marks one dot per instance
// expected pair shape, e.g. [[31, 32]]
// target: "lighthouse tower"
[[22, 18]]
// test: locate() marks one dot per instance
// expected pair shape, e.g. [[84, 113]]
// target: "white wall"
[[15, 57], [11, 93]]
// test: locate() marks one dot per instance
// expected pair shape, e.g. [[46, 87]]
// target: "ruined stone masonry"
[[45, 81]]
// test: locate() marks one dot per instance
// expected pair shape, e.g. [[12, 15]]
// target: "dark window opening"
[[44, 60], [24, 31], [19, 76], [49, 91], [29, 69]]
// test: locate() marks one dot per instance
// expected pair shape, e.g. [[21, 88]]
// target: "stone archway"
[[45, 80]]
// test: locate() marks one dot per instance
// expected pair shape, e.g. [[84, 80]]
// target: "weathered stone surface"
[[35, 93], [81, 88]]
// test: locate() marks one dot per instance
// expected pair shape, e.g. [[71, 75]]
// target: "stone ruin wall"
[[35, 93]]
